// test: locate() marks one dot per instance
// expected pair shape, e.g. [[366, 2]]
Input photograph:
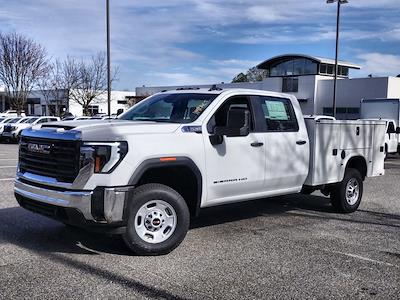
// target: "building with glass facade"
[[301, 65], [311, 80]]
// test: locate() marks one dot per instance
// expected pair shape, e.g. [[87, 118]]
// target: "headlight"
[[105, 156], [13, 128]]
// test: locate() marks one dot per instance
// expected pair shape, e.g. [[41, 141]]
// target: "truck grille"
[[7, 128], [53, 158]]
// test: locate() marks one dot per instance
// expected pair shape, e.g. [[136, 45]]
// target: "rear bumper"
[[102, 207]]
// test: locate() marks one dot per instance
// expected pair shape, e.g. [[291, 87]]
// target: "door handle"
[[257, 144], [301, 142]]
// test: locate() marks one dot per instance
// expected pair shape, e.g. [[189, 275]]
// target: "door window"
[[279, 114], [44, 120], [391, 128]]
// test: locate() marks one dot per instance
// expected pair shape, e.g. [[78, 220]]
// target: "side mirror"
[[216, 139], [119, 111], [237, 125], [398, 130]]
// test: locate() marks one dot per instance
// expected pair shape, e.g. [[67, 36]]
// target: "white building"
[[58, 102], [311, 80], [119, 100]]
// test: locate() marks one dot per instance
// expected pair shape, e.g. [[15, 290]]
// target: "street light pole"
[[339, 3], [108, 59]]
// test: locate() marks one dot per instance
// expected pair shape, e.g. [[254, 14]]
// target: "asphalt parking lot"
[[285, 247]]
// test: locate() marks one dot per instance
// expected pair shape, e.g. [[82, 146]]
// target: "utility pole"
[[339, 3], [108, 59]]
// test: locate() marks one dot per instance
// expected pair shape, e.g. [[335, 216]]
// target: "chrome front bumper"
[[114, 200]]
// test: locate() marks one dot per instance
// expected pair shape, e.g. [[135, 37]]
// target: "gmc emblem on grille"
[[39, 148]]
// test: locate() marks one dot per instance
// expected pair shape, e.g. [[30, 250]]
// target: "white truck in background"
[[387, 110], [11, 114], [146, 173], [12, 132]]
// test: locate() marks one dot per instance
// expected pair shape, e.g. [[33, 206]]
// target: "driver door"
[[236, 167]]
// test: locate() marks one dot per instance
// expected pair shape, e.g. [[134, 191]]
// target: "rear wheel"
[[158, 220], [346, 196], [307, 190]]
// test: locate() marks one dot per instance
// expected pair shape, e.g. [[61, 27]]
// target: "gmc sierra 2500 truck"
[[145, 174]]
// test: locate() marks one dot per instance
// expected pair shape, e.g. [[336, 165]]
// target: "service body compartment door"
[[378, 156], [356, 136], [325, 158]]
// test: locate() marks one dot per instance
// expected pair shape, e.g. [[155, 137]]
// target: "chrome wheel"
[[155, 221], [352, 191]]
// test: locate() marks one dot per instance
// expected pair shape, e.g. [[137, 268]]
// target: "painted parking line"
[[7, 179], [7, 167], [9, 159]]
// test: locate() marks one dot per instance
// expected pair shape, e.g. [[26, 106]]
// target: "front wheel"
[[158, 220], [346, 196]]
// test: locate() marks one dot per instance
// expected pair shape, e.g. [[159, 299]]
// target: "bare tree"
[[67, 76], [133, 100], [22, 63], [45, 85], [62, 77], [91, 82]]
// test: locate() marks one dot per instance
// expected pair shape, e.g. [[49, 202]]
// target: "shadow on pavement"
[[38, 233], [263, 207], [52, 240]]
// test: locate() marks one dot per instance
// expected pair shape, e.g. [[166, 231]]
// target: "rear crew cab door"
[[286, 145]]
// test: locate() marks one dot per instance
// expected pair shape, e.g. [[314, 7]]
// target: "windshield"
[[171, 108], [15, 120], [26, 120], [31, 120]]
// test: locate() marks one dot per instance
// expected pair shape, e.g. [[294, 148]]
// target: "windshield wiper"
[[154, 120]]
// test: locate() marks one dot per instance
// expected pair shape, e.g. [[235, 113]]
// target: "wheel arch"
[[359, 163], [178, 173]]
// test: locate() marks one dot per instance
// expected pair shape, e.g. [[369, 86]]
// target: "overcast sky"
[[205, 41]]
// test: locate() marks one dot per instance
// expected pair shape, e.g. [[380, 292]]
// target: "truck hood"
[[108, 130]]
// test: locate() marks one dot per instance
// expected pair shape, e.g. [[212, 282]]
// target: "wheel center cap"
[[156, 222]]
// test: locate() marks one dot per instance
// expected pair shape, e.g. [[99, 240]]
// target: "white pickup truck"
[[145, 174], [387, 110], [11, 114]]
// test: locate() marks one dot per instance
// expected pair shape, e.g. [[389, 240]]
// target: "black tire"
[[144, 194], [307, 190], [338, 195]]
